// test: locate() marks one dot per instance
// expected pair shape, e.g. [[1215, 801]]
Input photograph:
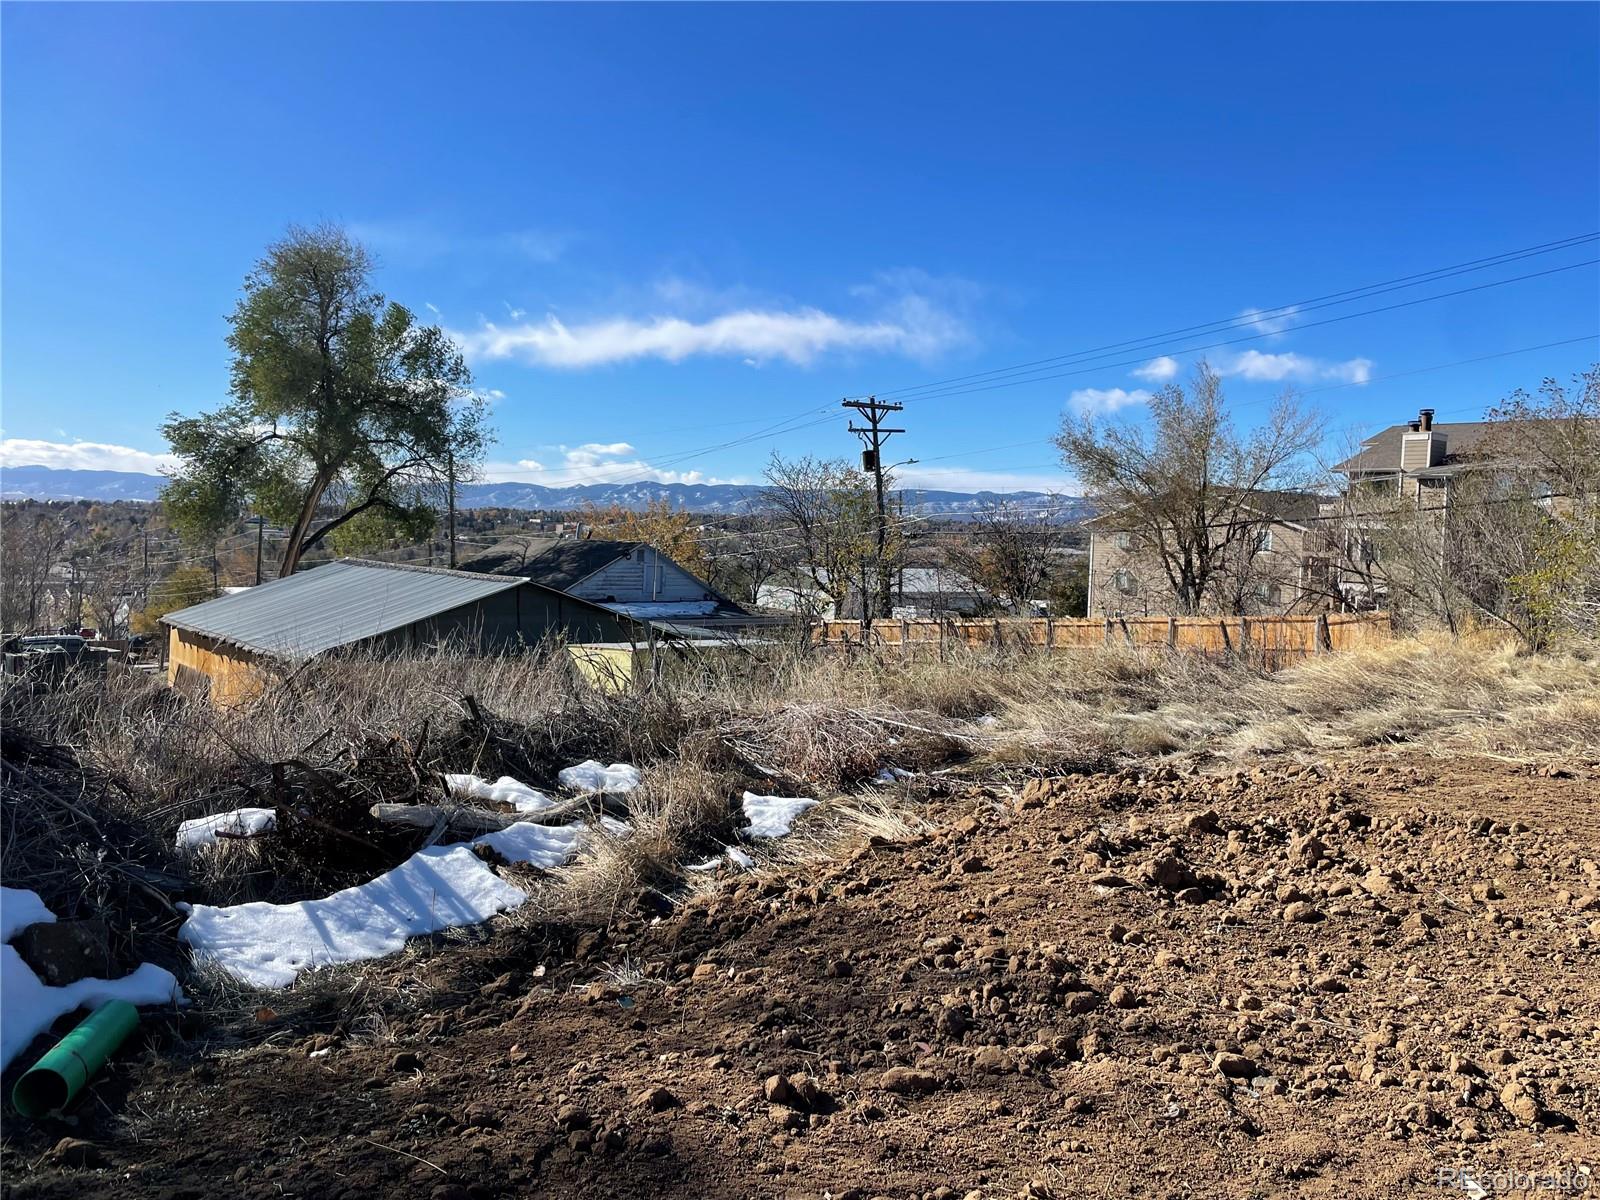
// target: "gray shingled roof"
[[336, 604], [555, 562], [1381, 452]]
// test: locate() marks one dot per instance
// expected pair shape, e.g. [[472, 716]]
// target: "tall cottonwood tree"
[[1184, 480], [344, 410]]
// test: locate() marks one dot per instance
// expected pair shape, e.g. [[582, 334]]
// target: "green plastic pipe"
[[57, 1078]]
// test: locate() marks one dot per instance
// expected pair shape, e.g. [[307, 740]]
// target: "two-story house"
[[1400, 486], [1418, 459], [1275, 565]]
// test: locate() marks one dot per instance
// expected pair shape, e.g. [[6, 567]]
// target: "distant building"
[[630, 579], [1421, 458], [1279, 567], [913, 592], [232, 646]]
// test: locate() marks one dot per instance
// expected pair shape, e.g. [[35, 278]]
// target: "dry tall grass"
[[791, 722]]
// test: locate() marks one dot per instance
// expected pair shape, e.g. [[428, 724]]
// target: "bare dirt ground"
[[1327, 980]]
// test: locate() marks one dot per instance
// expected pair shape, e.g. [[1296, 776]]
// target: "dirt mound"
[[1338, 978]]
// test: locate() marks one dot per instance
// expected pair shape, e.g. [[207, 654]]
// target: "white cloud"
[[592, 462], [800, 336], [905, 311], [1157, 370], [1093, 401], [1271, 323], [966, 479], [81, 456], [1257, 367]]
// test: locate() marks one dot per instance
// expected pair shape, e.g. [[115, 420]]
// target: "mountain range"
[[54, 483]]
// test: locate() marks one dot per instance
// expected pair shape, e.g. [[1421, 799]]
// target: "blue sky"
[[660, 229]]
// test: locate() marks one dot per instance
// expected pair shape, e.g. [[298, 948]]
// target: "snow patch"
[[595, 776], [504, 790], [772, 816], [891, 775], [20, 908], [240, 822], [541, 845], [31, 1006], [665, 608], [732, 853], [441, 887]]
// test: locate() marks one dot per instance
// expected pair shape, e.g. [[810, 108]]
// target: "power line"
[[1279, 311], [1035, 378]]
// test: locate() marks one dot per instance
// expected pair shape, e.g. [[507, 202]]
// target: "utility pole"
[[450, 459], [216, 585], [260, 523], [872, 438]]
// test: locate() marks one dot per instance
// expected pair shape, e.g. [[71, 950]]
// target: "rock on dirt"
[[63, 952], [908, 1080]]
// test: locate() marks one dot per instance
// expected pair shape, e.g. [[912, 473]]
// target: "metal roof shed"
[[229, 641]]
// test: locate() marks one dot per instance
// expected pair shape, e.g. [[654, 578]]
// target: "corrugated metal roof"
[[558, 563], [334, 605]]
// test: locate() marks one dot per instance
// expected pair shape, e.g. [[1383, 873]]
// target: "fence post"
[[1108, 631], [905, 637], [1227, 639], [1322, 639], [999, 635], [1049, 634], [1172, 633]]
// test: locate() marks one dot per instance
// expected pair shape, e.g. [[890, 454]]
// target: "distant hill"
[[51, 483], [721, 497]]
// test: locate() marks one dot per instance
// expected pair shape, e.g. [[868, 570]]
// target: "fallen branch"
[[474, 820]]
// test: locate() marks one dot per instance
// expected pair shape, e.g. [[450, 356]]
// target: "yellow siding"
[[231, 677], [611, 668]]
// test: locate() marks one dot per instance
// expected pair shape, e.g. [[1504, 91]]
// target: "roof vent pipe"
[[1425, 419]]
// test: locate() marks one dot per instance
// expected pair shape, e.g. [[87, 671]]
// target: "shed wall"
[[230, 676]]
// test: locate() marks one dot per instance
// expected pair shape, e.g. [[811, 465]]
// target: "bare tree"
[[1185, 482], [1008, 551], [33, 541], [744, 560], [827, 510], [106, 590], [1513, 540], [1551, 439]]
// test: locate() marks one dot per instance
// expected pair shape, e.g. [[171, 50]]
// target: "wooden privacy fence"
[[1278, 640]]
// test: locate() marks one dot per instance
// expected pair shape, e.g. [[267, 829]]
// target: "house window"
[[1125, 541], [1269, 593], [1264, 541], [1361, 550], [1124, 582]]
